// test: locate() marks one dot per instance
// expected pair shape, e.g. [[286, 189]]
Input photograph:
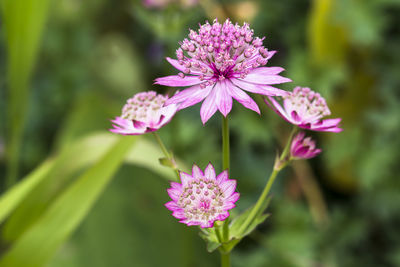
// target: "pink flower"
[[303, 148], [144, 112], [218, 62], [202, 198], [305, 108]]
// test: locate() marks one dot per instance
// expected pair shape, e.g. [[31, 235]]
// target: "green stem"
[[225, 256], [166, 153], [225, 143], [225, 259], [288, 144], [282, 162], [225, 166]]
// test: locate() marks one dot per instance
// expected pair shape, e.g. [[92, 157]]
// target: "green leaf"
[[33, 195], [32, 201], [211, 239], [235, 228], [16, 194], [39, 243], [23, 21]]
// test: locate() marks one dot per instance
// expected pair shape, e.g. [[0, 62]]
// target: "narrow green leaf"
[[23, 21], [31, 203], [39, 243], [16, 194], [235, 231]]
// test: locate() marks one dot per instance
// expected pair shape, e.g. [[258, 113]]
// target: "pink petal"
[[243, 98], [208, 108], [267, 70], [172, 206], [197, 172], [185, 178], [265, 79], [228, 187], [177, 81], [223, 99], [259, 89], [176, 65], [174, 193], [196, 97], [209, 172], [179, 214], [275, 106], [223, 176]]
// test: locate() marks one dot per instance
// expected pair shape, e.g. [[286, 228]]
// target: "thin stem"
[[260, 202], [166, 153], [225, 259], [282, 162], [288, 143], [225, 143], [225, 166]]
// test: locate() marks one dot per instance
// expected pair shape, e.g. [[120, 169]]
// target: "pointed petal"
[[179, 214], [228, 187], [267, 70], [259, 89], [209, 172], [177, 81], [208, 108], [174, 193], [176, 65], [265, 79], [223, 98], [243, 98], [275, 106], [172, 206], [185, 178], [197, 172], [223, 176], [196, 97]]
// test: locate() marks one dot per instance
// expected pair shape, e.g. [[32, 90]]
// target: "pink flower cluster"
[[202, 198], [144, 112], [305, 108], [220, 62], [303, 147]]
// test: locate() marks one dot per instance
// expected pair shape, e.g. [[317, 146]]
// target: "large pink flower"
[[305, 108], [218, 62], [202, 198], [144, 112], [303, 148]]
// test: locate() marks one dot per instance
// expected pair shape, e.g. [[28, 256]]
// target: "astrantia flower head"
[[144, 112], [305, 108], [218, 62], [303, 148], [202, 198]]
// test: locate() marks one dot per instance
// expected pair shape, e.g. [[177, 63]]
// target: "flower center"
[[225, 50], [143, 106], [308, 102], [201, 199]]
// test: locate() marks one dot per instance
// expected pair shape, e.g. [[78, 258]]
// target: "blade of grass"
[[23, 21], [37, 245]]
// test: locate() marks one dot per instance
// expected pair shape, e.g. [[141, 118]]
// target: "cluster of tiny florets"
[[142, 106], [311, 102], [220, 51], [202, 200]]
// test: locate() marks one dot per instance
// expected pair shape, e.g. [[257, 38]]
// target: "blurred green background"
[[74, 195]]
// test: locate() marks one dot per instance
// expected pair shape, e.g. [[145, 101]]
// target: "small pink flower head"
[[303, 148], [220, 62], [144, 112], [202, 198], [305, 108]]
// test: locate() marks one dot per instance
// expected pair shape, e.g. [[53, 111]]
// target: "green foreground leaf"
[[24, 21], [38, 244]]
